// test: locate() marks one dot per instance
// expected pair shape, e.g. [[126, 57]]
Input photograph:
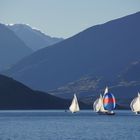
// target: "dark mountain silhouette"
[[15, 95], [12, 49], [33, 38], [101, 52]]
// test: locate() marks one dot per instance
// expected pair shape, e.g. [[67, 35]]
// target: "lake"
[[61, 125]]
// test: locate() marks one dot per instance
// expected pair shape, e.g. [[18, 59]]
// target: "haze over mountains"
[[33, 38], [97, 56], [12, 49], [18, 41]]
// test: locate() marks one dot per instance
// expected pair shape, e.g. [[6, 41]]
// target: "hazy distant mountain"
[[12, 49], [14, 95], [33, 38], [101, 52]]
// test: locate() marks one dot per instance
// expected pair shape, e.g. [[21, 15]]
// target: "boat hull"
[[138, 113], [106, 113]]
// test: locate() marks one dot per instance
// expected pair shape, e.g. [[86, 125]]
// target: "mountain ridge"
[[12, 49], [33, 38]]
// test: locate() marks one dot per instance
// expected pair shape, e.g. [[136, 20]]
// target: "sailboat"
[[105, 104], [135, 104], [74, 107], [98, 105]]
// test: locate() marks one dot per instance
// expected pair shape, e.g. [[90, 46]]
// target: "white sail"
[[74, 107], [98, 105], [132, 103], [102, 105], [106, 90], [135, 104]]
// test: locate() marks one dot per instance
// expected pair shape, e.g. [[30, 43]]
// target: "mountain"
[[131, 73], [12, 49], [33, 38], [101, 53], [15, 95]]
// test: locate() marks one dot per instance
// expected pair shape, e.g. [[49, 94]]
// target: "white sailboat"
[[98, 105], [74, 107], [135, 104]]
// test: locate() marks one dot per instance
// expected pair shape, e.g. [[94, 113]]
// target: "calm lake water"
[[60, 125]]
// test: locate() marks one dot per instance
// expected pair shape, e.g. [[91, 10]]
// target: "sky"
[[64, 18]]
